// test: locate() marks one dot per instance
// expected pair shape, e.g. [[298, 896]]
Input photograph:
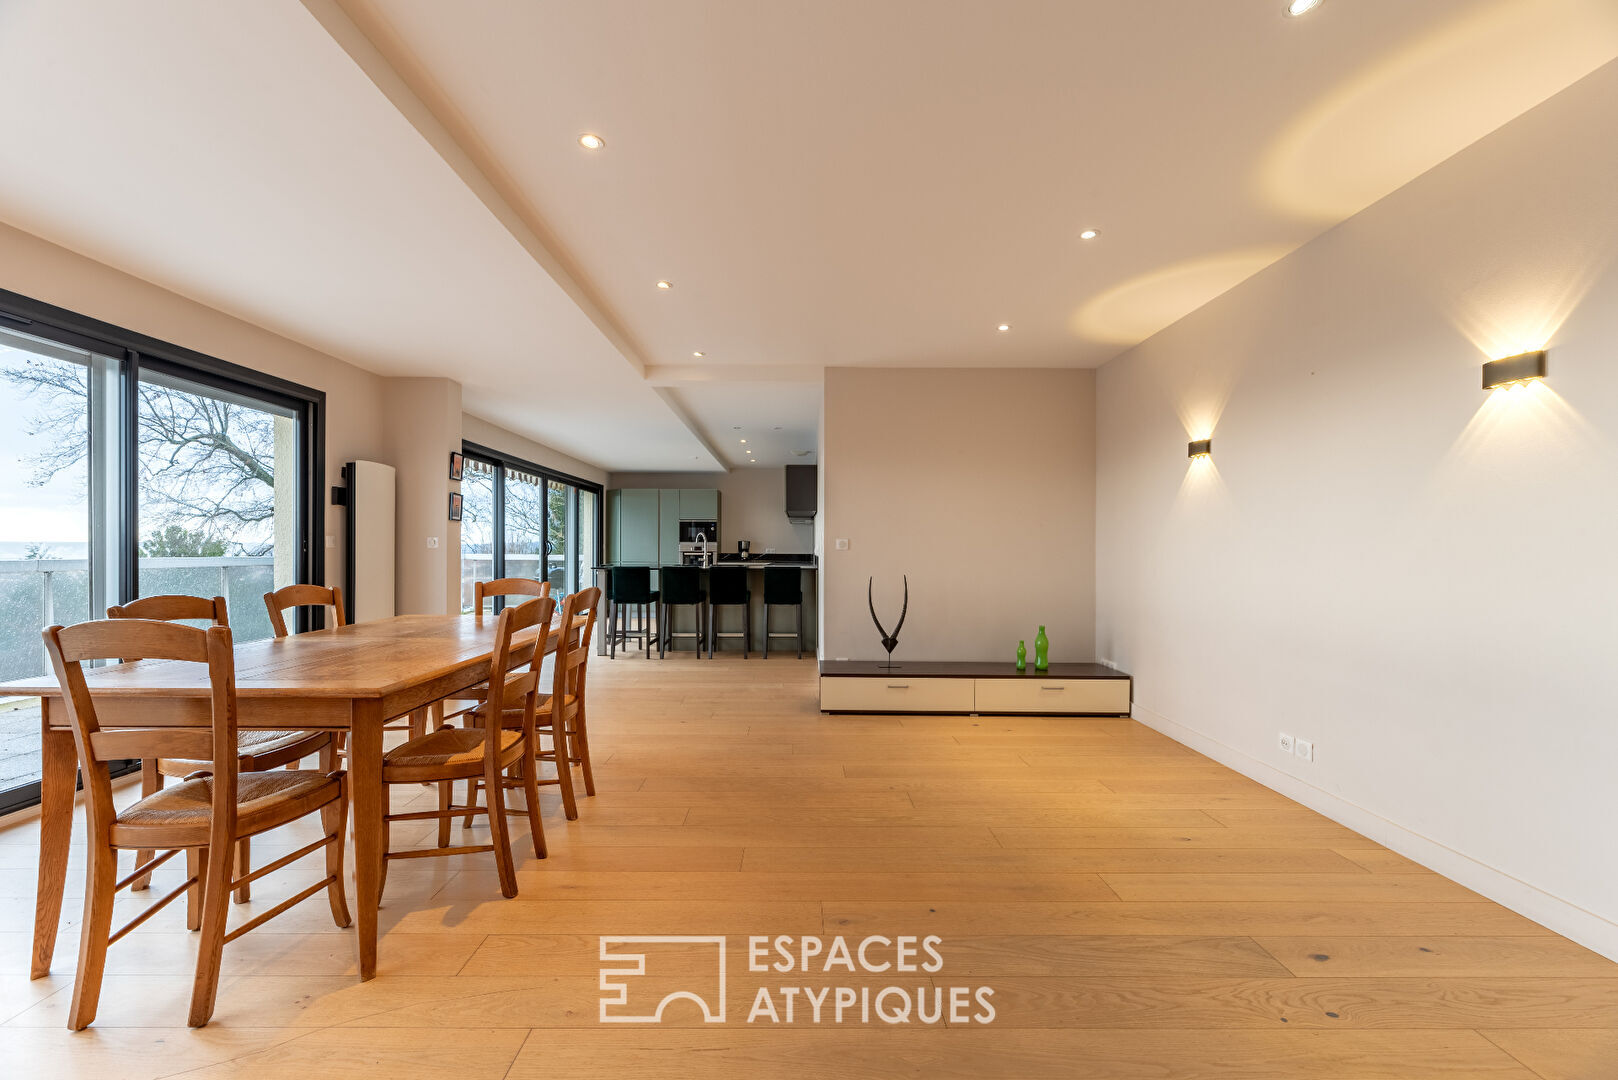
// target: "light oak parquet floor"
[[1138, 910]]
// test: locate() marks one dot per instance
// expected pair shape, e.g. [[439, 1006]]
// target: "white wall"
[[752, 506], [1416, 575], [979, 484]]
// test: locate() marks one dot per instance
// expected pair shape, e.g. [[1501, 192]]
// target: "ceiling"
[[399, 182]]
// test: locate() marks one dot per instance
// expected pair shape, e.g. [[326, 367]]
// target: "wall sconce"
[[1514, 370], [1200, 448]]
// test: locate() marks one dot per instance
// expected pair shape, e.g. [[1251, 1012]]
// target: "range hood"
[[801, 484]]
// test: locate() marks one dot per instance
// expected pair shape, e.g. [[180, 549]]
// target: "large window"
[[128, 468], [520, 520]]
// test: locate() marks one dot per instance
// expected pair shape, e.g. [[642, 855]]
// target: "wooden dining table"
[[353, 678]]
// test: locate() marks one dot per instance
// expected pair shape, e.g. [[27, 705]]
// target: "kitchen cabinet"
[[668, 526], [699, 504], [638, 526], [643, 524]]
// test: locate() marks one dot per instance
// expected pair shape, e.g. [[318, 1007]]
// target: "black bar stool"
[[783, 587], [680, 585], [727, 586], [629, 587]]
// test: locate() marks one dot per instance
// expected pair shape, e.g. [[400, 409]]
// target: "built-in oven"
[[699, 542]]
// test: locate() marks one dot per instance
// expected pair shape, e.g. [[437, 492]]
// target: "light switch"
[[331, 541], [432, 541]]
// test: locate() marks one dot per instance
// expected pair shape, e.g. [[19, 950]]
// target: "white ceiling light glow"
[[665, 285], [591, 142], [1301, 7], [1004, 328], [1089, 234]]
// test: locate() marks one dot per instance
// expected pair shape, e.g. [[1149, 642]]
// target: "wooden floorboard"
[[1138, 911]]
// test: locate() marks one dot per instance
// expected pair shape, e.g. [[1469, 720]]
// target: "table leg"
[[58, 779], [366, 792]]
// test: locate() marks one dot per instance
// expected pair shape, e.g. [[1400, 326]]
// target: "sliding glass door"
[[58, 461], [218, 481], [130, 468], [520, 520]]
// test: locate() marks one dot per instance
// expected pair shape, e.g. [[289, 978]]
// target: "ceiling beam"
[[696, 374], [378, 54]]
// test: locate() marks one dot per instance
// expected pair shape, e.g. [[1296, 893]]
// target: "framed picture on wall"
[[455, 506], [456, 464]]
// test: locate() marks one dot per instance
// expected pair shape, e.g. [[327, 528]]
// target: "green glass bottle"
[[1042, 648], [1022, 656]]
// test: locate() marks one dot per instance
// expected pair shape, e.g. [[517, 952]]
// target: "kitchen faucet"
[[707, 556]]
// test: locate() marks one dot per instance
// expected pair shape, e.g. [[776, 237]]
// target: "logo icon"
[[616, 980]]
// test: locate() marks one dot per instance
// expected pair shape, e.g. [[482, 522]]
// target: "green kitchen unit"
[[643, 524]]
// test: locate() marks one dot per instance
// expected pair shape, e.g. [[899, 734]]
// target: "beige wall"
[[980, 485], [478, 430], [1383, 559], [752, 506], [354, 413], [423, 429]]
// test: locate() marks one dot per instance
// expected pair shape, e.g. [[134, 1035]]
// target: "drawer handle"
[[898, 686], [1053, 688]]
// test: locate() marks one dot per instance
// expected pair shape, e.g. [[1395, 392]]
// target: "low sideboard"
[[869, 686]]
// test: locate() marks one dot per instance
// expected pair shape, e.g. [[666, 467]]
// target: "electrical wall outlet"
[[842, 544], [769, 551], [1286, 743], [1304, 749]]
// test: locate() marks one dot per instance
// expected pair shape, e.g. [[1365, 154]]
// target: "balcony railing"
[[36, 593]]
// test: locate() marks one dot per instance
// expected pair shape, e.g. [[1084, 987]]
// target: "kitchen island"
[[730, 618]]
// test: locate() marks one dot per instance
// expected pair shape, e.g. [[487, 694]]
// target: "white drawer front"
[[895, 694], [1035, 695]]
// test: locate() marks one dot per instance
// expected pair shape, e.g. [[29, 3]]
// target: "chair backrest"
[[727, 585], [303, 596], [509, 689], [631, 584], [679, 585], [783, 585], [573, 654], [173, 608], [507, 586], [69, 646]]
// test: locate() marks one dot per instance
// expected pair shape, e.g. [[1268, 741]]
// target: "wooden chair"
[[207, 814], [508, 586], [293, 596], [257, 750], [464, 700], [562, 711], [482, 750]]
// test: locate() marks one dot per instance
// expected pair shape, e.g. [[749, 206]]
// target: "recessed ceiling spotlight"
[[1004, 328], [591, 141], [665, 285], [698, 355], [776, 428], [744, 440], [1088, 234], [1295, 8]]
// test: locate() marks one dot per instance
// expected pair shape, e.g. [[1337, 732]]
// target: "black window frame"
[[135, 352], [503, 461]]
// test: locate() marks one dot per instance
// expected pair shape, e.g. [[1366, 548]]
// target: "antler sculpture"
[[889, 641]]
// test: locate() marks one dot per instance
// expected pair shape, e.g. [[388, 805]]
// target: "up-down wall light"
[[1514, 370], [1200, 448]]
